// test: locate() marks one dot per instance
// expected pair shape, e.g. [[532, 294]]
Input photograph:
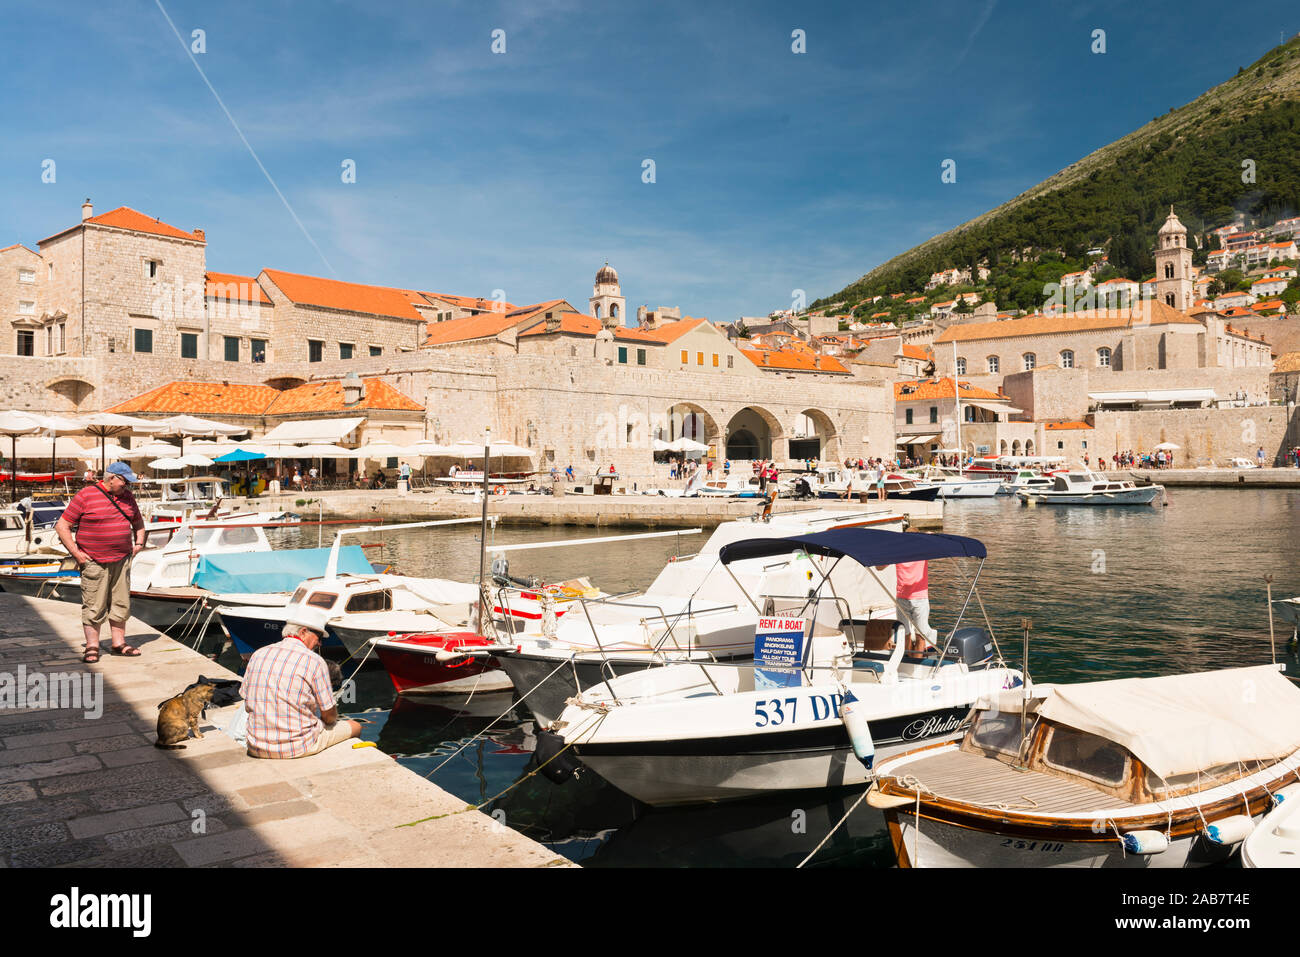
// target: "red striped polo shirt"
[[102, 532]]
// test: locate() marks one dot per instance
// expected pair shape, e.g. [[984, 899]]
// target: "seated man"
[[291, 709]]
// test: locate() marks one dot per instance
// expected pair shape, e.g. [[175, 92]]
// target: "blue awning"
[[282, 570], [867, 546]]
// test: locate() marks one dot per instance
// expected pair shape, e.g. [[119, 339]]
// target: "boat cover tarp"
[[866, 546], [436, 591], [280, 570], [1181, 724]]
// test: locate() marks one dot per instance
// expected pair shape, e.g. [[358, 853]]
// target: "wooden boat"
[[1136, 772]]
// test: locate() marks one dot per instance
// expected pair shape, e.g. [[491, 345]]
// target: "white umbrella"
[[166, 465], [684, 444], [495, 450], [321, 451], [431, 449], [151, 450], [192, 425], [14, 424], [386, 450], [1167, 446], [661, 446], [103, 424]]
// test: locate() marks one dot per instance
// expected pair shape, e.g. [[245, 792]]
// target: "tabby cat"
[[178, 716]]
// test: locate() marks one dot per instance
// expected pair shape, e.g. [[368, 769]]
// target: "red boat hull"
[[412, 664]]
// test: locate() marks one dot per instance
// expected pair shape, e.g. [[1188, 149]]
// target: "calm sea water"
[[1110, 593]]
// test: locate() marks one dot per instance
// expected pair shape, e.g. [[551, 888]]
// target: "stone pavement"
[[94, 792]]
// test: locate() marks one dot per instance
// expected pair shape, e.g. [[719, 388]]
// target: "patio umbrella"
[[245, 454], [189, 425], [57, 425], [1167, 447], [684, 444], [14, 424], [151, 450], [104, 424]]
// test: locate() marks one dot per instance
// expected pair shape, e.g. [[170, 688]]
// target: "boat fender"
[[1229, 830], [855, 723], [1289, 793], [446, 654], [557, 770], [1145, 842]]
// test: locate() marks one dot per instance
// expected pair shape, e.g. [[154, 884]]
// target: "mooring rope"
[[496, 719]]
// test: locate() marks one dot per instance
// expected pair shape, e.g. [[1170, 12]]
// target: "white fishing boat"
[[1025, 478], [688, 733], [1135, 772], [696, 609], [1090, 488], [1275, 841], [955, 485]]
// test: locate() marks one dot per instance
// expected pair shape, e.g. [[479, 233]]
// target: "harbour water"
[[1111, 592]]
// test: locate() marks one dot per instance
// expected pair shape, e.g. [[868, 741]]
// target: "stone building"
[[105, 313]]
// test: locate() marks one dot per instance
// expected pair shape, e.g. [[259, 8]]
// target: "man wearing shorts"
[[102, 529], [291, 709], [914, 598]]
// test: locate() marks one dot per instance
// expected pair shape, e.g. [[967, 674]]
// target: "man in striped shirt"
[[109, 532], [291, 709]]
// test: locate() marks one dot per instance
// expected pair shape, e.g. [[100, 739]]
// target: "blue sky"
[[522, 171]]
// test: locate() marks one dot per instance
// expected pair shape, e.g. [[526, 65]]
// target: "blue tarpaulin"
[[282, 570]]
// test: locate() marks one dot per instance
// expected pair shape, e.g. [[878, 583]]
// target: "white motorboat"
[[688, 733], [1136, 772], [1025, 478], [697, 608], [955, 485], [1090, 488], [1275, 841], [27, 528]]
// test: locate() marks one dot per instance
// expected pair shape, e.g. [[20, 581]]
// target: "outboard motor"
[[972, 646]]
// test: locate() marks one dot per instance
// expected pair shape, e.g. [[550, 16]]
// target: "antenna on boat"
[[1272, 642], [483, 603], [1026, 624]]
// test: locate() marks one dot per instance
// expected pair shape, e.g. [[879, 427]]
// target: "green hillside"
[[1118, 196]]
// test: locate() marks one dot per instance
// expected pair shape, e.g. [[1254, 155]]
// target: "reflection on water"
[[1110, 592]]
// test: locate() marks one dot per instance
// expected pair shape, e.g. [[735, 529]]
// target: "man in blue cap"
[[102, 529]]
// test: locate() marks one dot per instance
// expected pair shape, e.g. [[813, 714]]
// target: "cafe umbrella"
[[105, 424], [14, 424]]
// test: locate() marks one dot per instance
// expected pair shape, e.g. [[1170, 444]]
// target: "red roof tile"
[[489, 324], [224, 285], [1157, 313], [939, 389], [1058, 426], [218, 399], [345, 296], [793, 361], [124, 217]]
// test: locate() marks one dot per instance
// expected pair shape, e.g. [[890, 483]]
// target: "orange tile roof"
[[226, 399], [345, 296], [477, 303], [877, 315], [793, 361], [124, 217], [1057, 426], [916, 299], [1237, 312], [575, 324], [201, 398], [327, 396], [1156, 313], [488, 324], [225, 285], [939, 389], [916, 352]]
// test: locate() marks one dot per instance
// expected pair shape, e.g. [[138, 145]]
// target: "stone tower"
[[607, 303], [1173, 265]]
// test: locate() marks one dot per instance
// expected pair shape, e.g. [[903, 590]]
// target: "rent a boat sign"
[[778, 652]]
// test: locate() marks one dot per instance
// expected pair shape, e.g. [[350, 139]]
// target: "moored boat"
[[1135, 772], [1090, 488], [690, 733]]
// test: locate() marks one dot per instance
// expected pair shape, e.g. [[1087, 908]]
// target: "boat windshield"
[[997, 731], [1086, 755]]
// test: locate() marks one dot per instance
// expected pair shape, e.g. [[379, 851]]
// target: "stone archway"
[[72, 390], [1015, 447], [814, 436], [688, 420], [753, 433]]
